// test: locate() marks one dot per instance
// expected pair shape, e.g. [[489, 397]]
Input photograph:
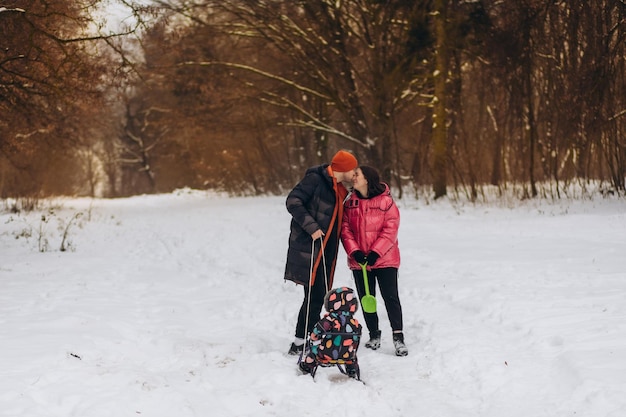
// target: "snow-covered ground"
[[174, 306]]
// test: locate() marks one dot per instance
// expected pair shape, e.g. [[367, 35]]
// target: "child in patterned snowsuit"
[[335, 337]]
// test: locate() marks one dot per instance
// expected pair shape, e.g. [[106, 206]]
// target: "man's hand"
[[317, 234]]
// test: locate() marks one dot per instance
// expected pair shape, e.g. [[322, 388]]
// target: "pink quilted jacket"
[[372, 225]]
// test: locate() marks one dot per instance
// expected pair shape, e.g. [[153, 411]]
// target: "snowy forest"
[[118, 98], [146, 149]]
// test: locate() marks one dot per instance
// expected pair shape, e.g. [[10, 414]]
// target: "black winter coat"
[[312, 203]]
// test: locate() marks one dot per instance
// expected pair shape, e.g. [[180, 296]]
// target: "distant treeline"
[[242, 95]]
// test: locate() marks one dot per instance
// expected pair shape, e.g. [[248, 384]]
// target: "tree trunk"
[[440, 135]]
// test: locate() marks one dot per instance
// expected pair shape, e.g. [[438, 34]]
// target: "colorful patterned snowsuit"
[[335, 337]]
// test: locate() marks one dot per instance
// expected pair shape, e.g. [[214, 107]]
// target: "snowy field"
[[175, 306]]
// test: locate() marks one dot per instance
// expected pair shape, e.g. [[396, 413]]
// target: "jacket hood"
[[341, 300], [382, 189], [322, 171]]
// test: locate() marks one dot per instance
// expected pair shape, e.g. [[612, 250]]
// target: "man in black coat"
[[316, 207]]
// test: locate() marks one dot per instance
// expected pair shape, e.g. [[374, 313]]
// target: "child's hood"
[[341, 300]]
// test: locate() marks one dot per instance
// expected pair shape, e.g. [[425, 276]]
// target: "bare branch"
[[263, 73]]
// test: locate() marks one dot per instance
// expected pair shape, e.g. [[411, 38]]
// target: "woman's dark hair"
[[374, 186]]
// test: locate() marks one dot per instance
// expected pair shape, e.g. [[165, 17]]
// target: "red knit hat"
[[343, 162]]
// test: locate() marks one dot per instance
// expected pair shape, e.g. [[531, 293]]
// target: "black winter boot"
[[307, 368], [398, 343], [295, 349], [374, 342], [352, 370]]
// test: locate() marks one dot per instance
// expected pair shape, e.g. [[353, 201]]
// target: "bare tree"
[[348, 71], [440, 119], [50, 82]]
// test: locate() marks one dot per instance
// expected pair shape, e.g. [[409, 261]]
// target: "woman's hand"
[[359, 257], [372, 257]]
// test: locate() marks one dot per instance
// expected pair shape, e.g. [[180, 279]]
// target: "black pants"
[[387, 279], [318, 292]]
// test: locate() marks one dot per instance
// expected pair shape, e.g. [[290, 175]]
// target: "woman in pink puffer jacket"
[[369, 234]]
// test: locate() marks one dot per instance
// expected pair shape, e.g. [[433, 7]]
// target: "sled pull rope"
[[326, 288]]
